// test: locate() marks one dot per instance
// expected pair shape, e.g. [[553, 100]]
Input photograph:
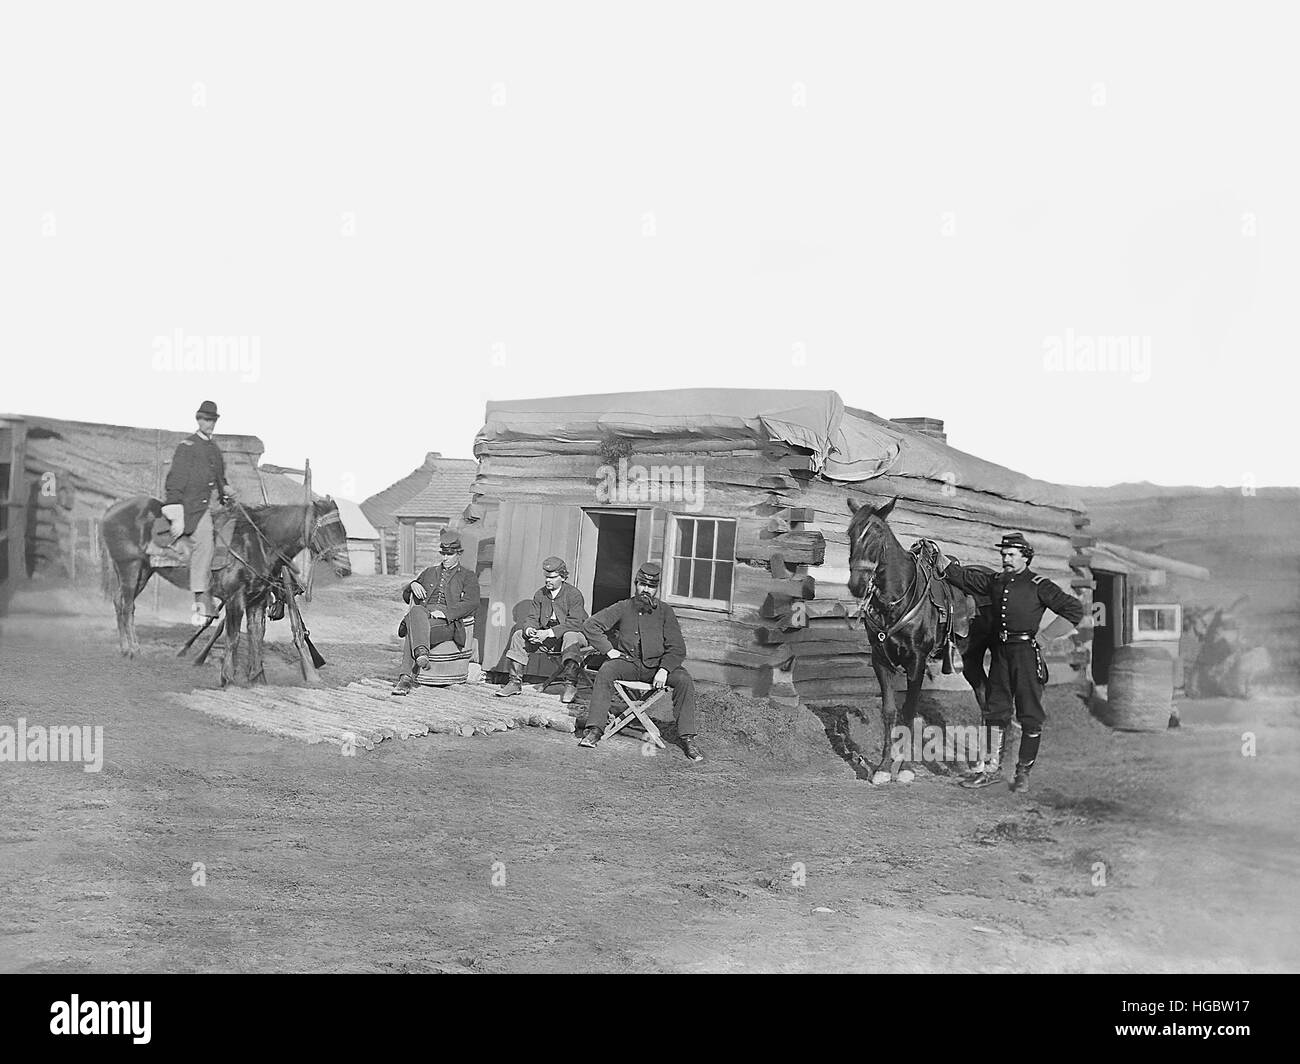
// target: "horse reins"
[[880, 631]]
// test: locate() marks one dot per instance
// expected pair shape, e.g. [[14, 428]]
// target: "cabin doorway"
[[1109, 615], [606, 550]]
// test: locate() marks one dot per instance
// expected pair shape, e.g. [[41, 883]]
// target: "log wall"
[[791, 548]]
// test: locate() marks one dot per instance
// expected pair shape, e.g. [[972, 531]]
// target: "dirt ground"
[[522, 852]]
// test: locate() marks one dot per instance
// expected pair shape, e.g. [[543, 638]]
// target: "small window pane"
[[704, 538], [681, 576], [685, 536], [701, 580], [727, 540], [722, 581]]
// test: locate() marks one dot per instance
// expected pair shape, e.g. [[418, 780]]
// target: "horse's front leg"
[[234, 618], [902, 766], [888, 711], [256, 634], [124, 607]]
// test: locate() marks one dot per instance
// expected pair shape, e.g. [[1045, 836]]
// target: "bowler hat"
[[207, 408]]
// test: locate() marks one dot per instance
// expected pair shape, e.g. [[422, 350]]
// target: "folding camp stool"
[[634, 694]]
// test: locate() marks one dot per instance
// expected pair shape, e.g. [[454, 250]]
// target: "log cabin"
[[743, 496]]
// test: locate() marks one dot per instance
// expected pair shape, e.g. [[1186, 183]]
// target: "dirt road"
[[522, 852]]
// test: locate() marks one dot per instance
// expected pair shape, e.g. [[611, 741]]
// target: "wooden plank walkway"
[[364, 713]]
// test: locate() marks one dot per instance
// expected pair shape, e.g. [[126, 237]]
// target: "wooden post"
[[307, 523], [309, 673]]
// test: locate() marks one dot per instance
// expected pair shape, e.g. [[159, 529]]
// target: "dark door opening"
[[616, 539], [1107, 629]]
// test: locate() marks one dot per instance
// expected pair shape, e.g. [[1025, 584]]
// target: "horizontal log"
[[1081, 561], [831, 632], [800, 587], [801, 514], [1080, 582], [1083, 541]]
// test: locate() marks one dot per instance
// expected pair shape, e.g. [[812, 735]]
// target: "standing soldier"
[[196, 482], [440, 599], [1017, 673], [647, 646]]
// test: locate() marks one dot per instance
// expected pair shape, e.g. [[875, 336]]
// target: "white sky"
[[1113, 170]]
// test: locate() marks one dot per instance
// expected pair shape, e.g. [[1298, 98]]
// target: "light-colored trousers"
[[199, 545]]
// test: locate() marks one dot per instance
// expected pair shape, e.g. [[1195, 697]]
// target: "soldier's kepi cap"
[[449, 540], [649, 574], [1016, 540], [207, 408], [555, 565]]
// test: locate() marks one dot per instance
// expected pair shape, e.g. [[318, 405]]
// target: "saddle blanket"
[[162, 555]]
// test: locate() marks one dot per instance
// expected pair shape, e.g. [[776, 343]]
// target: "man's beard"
[[647, 600]]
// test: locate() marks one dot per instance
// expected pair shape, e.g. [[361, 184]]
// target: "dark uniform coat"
[[568, 608], [1019, 601], [652, 639], [460, 595], [197, 469]]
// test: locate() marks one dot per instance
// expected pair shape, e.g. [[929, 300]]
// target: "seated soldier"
[[441, 597], [553, 625], [647, 646]]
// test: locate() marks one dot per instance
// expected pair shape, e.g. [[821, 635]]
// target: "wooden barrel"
[[1141, 691]]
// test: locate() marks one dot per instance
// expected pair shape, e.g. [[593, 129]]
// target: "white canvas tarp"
[[843, 446]]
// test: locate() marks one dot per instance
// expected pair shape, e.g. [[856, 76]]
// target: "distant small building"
[[363, 538], [1139, 598], [409, 514]]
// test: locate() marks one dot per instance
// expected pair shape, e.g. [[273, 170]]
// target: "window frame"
[[1159, 635], [671, 539]]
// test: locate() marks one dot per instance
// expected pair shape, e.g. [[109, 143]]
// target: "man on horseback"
[[196, 482], [1017, 673]]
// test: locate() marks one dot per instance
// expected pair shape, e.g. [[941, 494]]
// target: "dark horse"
[[263, 540], [898, 589]]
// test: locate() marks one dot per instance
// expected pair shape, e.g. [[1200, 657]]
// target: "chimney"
[[926, 426]]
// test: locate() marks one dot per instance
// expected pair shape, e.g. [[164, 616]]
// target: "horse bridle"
[[317, 525], [881, 606]]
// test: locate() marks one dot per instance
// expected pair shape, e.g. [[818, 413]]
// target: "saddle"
[[955, 608], [163, 554]]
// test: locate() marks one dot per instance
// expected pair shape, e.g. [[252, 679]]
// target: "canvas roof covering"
[[845, 445]]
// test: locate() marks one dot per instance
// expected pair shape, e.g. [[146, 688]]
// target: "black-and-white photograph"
[[649, 488]]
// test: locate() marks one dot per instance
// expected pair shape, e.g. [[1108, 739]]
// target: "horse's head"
[[868, 535], [329, 538]]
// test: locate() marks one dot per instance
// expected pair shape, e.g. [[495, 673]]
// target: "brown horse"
[[897, 589], [263, 541]]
